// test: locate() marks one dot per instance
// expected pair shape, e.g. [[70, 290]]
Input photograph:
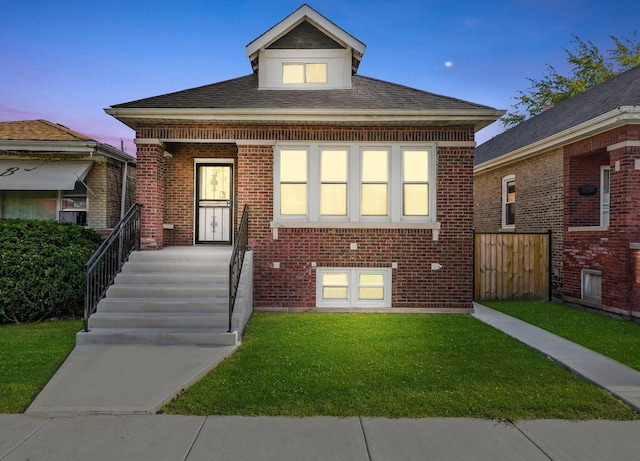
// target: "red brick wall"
[[293, 285], [150, 194], [608, 251], [584, 210]]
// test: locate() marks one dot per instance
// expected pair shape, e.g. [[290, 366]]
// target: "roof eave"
[[622, 116], [72, 147], [479, 118]]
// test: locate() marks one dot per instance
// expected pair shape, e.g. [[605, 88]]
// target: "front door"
[[214, 204]]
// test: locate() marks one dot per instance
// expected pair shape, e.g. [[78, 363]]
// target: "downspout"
[[124, 190]]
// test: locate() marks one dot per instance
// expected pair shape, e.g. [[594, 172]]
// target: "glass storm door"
[[214, 205]]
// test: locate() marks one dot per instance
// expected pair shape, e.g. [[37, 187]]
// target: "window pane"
[[606, 180], [333, 199], [370, 293], [316, 73], [333, 166], [371, 279], [293, 166], [415, 200], [292, 73], [293, 199], [510, 217], [335, 279], [374, 200], [415, 165], [214, 182], [29, 204], [511, 192], [375, 165], [334, 292]]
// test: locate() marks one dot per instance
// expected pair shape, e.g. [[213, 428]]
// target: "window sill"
[[588, 229], [353, 225]]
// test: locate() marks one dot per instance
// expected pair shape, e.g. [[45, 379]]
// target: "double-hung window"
[[509, 202], [293, 182], [368, 184]]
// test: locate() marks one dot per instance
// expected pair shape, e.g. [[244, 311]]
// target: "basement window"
[[353, 287], [591, 289]]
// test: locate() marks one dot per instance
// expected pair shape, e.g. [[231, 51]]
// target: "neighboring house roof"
[[241, 99], [45, 136], [613, 102]]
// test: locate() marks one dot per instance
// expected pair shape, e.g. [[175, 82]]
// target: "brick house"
[[48, 171], [359, 190], [574, 169]]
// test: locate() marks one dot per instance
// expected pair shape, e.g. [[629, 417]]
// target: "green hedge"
[[42, 269]]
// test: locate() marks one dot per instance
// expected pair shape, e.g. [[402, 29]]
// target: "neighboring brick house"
[[48, 171], [359, 190], [574, 169]]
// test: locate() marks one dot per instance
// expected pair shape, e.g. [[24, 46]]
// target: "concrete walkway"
[[618, 379]]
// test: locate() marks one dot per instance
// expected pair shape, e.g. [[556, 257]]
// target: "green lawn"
[[391, 365], [613, 337], [30, 355]]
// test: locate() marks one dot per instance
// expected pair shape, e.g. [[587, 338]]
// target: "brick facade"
[[612, 249], [539, 202], [166, 189]]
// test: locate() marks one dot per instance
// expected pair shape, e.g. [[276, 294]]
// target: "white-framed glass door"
[[214, 203]]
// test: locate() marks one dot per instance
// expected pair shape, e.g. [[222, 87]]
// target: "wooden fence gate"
[[510, 266]]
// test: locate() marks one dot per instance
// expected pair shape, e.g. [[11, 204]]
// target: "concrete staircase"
[[174, 296]]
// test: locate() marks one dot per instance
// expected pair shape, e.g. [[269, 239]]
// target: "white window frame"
[[305, 75], [605, 204], [352, 287], [588, 278], [354, 218], [504, 201]]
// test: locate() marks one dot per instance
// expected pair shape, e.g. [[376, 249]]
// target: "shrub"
[[42, 269]]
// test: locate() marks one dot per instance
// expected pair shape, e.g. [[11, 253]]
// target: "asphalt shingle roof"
[[621, 90], [243, 93], [38, 130]]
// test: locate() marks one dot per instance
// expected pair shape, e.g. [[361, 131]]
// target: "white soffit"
[[41, 175]]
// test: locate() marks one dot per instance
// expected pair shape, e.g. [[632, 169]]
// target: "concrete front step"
[[164, 279], [158, 336], [173, 320], [168, 267], [168, 292], [163, 305]]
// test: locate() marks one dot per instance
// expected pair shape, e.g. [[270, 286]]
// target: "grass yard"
[[616, 338], [30, 355], [391, 365]]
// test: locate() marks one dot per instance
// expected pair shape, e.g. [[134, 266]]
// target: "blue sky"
[[65, 61]]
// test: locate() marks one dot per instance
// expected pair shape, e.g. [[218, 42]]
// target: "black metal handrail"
[[107, 261], [237, 259]]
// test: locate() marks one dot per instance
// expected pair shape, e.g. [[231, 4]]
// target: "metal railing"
[[107, 261], [237, 259]]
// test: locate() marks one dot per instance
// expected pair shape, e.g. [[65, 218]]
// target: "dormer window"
[[300, 73]]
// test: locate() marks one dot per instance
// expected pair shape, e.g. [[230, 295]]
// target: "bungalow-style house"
[[359, 190], [48, 171], [574, 169]]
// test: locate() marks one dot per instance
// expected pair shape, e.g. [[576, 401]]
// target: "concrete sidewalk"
[[196, 438], [614, 377]]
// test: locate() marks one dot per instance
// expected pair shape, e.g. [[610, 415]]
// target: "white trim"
[[605, 198], [588, 229], [503, 201], [352, 287], [623, 144], [621, 116]]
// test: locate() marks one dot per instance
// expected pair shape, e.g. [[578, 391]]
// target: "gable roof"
[[587, 110], [241, 99], [306, 14], [39, 130], [46, 137]]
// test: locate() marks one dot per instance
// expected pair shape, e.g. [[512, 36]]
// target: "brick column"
[[150, 192]]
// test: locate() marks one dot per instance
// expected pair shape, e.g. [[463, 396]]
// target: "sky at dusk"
[[65, 61]]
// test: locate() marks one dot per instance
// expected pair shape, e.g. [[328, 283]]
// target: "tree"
[[589, 67]]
